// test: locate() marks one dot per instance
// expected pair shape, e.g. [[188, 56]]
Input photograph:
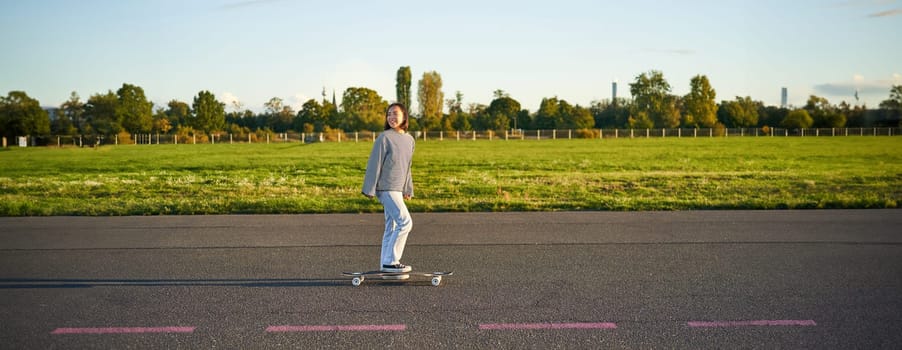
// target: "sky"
[[252, 51]]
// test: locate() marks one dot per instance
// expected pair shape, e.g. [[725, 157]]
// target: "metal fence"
[[369, 136]]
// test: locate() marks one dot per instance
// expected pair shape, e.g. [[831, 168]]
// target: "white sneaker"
[[396, 268]]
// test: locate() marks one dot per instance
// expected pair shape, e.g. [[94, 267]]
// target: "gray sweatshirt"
[[388, 168]]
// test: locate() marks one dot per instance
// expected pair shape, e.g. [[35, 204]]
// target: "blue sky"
[[251, 51]]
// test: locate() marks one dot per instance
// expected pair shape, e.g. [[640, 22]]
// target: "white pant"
[[397, 225]]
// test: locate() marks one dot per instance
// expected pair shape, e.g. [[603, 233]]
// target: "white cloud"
[[887, 13], [229, 99]]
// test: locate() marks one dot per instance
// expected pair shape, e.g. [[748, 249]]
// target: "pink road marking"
[[581, 325], [751, 323], [123, 330], [335, 328]]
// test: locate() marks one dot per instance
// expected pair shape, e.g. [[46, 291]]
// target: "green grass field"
[[621, 174]]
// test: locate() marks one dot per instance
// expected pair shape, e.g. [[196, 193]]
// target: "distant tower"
[[613, 91], [783, 98]]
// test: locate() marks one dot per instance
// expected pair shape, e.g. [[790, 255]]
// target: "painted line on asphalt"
[[123, 330], [572, 325], [338, 328], [713, 324]]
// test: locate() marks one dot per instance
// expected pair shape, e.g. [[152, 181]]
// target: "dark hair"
[[406, 123]]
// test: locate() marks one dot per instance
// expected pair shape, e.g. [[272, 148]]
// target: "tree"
[[73, 111], [555, 113], [278, 116], [669, 116], [178, 113], [640, 121], [502, 112], [891, 109], [549, 114], [797, 119], [364, 109], [895, 99], [771, 115], [651, 94], [161, 123], [101, 114], [402, 86], [21, 115], [700, 108], [133, 110], [311, 117], [209, 113], [581, 118], [741, 113], [611, 114], [456, 119], [431, 99], [273, 106], [824, 114]]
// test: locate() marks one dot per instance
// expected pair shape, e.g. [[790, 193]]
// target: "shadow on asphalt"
[[24, 283]]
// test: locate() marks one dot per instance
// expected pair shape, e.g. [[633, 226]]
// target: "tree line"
[[127, 111]]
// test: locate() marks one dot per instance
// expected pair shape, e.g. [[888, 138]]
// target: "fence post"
[[538, 134], [569, 134]]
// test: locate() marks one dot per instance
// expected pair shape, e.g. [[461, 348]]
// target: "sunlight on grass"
[[623, 174]]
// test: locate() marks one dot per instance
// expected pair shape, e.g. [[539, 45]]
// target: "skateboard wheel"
[[357, 281], [436, 280]]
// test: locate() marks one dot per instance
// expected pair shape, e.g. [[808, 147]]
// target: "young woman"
[[388, 179]]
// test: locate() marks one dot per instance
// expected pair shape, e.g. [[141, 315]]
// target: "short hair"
[[406, 123]]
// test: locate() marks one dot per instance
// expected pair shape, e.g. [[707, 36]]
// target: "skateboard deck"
[[359, 277]]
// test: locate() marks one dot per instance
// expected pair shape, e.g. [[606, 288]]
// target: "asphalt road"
[[826, 279]]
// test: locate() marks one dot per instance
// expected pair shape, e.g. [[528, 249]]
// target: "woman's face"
[[395, 117]]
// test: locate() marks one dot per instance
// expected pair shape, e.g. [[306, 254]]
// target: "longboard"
[[359, 277]]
